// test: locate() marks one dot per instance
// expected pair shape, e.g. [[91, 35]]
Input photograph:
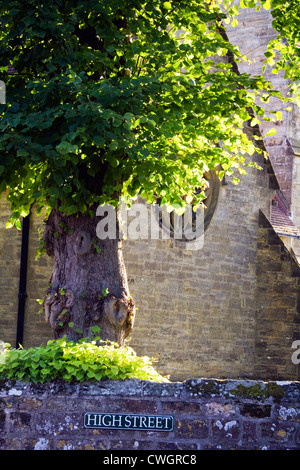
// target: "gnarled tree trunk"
[[88, 286]]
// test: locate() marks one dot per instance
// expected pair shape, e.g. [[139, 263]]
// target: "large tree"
[[115, 98]]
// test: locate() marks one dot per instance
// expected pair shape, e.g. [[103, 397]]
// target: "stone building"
[[230, 309]]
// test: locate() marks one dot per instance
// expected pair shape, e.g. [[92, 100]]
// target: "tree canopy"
[[124, 97], [286, 21]]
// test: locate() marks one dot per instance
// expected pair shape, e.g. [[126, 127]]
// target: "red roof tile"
[[280, 218]]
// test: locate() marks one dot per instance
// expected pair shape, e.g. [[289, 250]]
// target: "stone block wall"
[[10, 252], [207, 414], [38, 272], [296, 188], [252, 35], [278, 306]]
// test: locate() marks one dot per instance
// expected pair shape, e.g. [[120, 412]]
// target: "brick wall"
[[208, 415]]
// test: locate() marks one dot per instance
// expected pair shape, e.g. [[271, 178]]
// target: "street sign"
[[136, 422]]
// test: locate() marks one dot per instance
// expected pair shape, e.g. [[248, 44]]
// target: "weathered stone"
[[207, 415], [218, 409], [255, 411], [202, 387], [173, 389], [108, 387], [191, 428], [250, 435], [2, 420], [226, 430]]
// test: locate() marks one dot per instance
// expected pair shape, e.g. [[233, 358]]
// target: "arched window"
[[167, 220]]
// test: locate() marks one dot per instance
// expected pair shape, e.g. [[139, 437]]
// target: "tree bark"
[[88, 286]]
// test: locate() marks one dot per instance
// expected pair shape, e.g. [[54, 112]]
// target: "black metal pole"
[[23, 280]]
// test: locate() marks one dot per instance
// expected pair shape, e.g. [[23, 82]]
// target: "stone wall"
[[10, 251], [38, 272], [252, 35], [277, 305], [207, 414]]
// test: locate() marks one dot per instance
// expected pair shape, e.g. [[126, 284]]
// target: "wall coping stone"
[[191, 388]]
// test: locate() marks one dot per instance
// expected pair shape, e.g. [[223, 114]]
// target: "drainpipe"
[[23, 280]]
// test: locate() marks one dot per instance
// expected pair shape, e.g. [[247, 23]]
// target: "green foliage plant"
[[76, 362]]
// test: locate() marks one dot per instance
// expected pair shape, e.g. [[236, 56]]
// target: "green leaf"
[[97, 248], [18, 224], [113, 145], [267, 4], [98, 140], [254, 122], [96, 329], [22, 153], [271, 132], [66, 147], [98, 376]]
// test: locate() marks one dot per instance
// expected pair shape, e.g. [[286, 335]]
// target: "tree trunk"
[[88, 286]]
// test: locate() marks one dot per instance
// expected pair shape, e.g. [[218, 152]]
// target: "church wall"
[[252, 35], [10, 250], [197, 313], [278, 306]]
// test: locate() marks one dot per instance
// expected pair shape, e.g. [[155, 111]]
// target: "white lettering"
[[92, 420], [2, 92], [134, 421], [123, 220], [117, 418], [143, 421], [166, 421], [193, 231], [159, 423], [160, 213], [109, 420], [183, 223], [138, 228], [127, 421], [171, 459], [113, 420], [107, 227], [151, 422], [114, 460], [296, 354]]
